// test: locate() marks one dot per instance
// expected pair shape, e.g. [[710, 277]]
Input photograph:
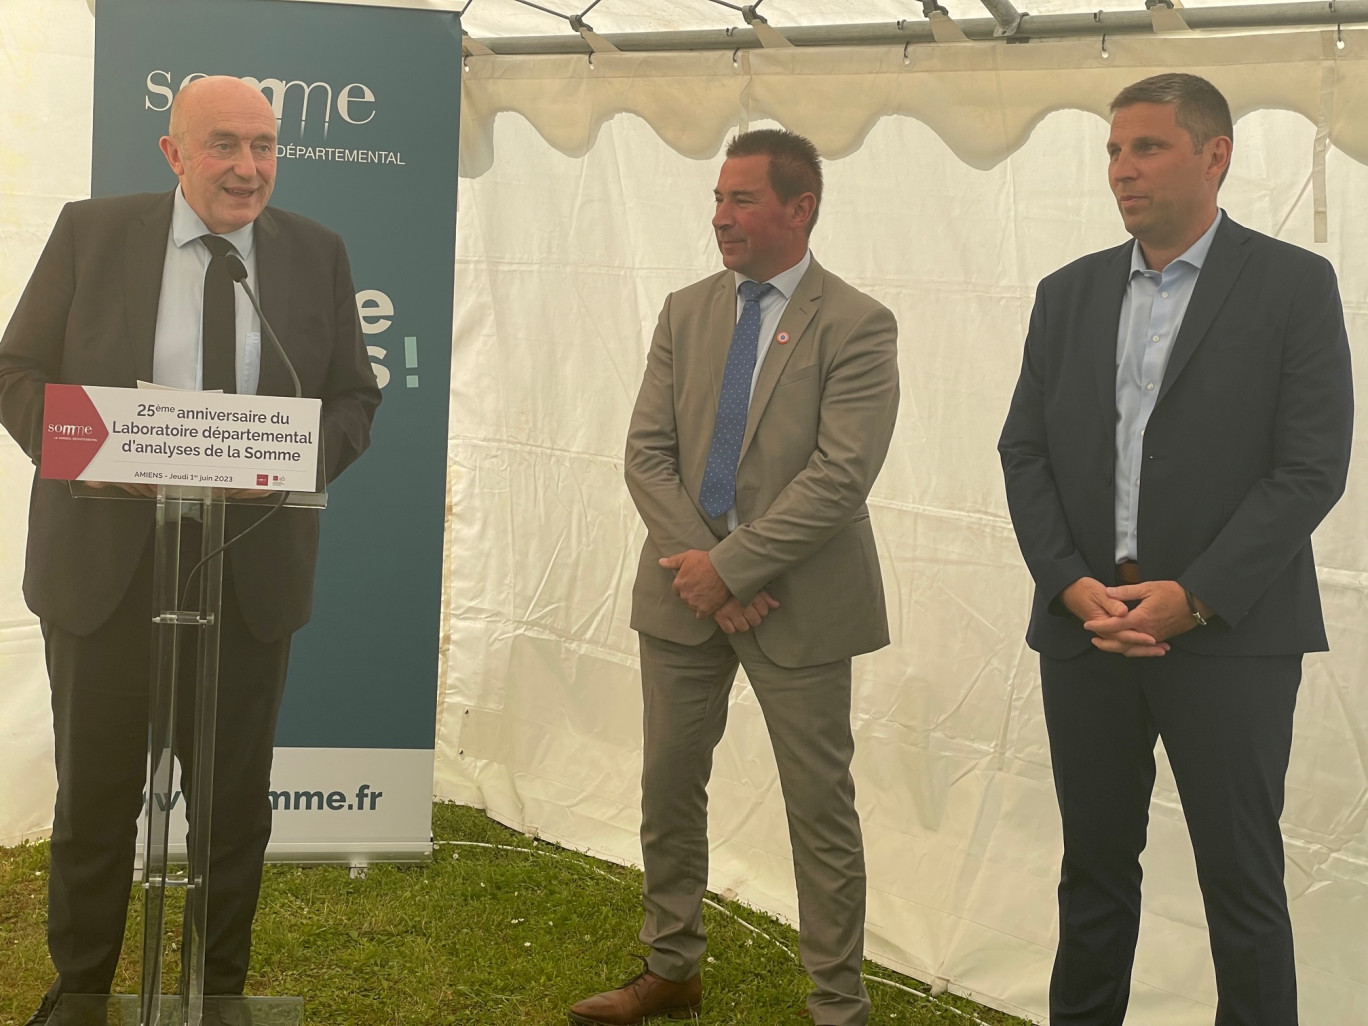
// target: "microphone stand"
[[237, 270]]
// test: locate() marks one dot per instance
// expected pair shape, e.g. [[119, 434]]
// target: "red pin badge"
[[782, 338]]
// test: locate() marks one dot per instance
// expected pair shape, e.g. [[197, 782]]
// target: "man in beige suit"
[[764, 416]]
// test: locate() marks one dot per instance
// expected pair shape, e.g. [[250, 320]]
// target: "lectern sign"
[[167, 437]]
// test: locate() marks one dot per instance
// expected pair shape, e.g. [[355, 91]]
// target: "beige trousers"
[[807, 713]]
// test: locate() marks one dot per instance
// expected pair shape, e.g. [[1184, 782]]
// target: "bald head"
[[207, 96], [221, 144]]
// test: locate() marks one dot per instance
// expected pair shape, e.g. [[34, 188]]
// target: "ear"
[[1218, 159], [171, 151], [801, 209]]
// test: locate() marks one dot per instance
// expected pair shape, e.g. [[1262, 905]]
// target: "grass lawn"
[[481, 936]]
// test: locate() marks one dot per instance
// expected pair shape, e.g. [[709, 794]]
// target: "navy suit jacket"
[[1246, 451], [88, 316]]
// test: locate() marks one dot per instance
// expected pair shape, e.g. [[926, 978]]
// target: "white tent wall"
[[45, 96], [563, 262]]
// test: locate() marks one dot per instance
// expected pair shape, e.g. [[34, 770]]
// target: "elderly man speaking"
[[137, 287]]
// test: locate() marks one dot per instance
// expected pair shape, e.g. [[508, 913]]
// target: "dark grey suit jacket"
[[1246, 451], [88, 316]]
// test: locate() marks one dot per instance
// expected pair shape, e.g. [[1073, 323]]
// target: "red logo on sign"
[[261, 479], [72, 432]]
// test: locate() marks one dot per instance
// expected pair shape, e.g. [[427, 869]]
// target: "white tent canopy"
[[958, 175]]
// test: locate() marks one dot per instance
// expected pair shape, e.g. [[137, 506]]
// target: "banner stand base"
[[125, 1009]]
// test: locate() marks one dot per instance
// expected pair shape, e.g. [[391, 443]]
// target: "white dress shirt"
[[178, 353]]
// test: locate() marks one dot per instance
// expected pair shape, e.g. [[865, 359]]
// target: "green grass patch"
[[480, 936]]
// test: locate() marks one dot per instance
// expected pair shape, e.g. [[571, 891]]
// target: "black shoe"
[[226, 1011], [82, 1010], [44, 1014]]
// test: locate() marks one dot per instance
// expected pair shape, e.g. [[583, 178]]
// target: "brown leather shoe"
[[642, 997]]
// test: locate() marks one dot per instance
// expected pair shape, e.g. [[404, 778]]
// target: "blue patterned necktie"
[[718, 493]]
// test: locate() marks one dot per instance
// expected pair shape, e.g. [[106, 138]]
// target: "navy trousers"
[[1226, 724]]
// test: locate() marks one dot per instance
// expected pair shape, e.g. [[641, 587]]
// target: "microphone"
[[237, 270]]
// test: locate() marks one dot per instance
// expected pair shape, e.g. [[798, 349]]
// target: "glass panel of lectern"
[[187, 601]]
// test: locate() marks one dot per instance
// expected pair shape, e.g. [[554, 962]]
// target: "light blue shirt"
[[177, 356], [772, 307], [1151, 316]]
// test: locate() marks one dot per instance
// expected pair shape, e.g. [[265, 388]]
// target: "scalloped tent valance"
[[983, 100]]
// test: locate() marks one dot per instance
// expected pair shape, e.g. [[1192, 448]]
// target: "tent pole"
[[1007, 16], [1226, 18]]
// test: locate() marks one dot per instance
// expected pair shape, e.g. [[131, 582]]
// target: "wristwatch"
[[1197, 616]]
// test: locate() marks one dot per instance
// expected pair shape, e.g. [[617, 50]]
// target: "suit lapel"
[[721, 323], [807, 298], [1103, 319], [144, 260], [701, 361], [1222, 266], [273, 291]]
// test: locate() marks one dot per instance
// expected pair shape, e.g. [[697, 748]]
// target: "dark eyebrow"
[[1143, 140]]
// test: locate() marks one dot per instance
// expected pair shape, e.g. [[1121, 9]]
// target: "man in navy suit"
[[1181, 425], [118, 296]]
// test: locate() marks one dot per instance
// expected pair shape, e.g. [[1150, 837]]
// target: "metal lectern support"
[[171, 620], [175, 625], [160, 777], [202, 776]]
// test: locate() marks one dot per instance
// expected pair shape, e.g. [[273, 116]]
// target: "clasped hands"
[[1161, 612], [703, 590]]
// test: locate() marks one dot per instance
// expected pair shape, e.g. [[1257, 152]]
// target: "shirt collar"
[[785, 281], [186, 227], [1194, 256]]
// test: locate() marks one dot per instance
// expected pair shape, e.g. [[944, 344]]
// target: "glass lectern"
[[177, 618]]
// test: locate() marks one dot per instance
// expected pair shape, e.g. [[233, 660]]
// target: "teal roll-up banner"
[[367, 101]]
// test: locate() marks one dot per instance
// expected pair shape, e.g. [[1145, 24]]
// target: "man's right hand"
[[733, 616], [1088, 600]]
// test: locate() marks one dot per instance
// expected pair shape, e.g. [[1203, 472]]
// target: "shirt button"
[[1149, 387], [1164, 294], [1155, 338]]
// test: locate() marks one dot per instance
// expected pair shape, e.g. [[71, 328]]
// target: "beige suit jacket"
[[819, 426]]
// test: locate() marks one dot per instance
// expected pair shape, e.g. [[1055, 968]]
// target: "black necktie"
[[220, 320]]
